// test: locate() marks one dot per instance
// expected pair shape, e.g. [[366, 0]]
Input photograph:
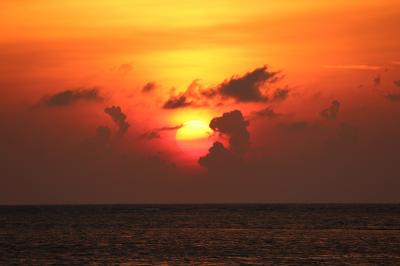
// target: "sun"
[[193, 130], [193, 137]]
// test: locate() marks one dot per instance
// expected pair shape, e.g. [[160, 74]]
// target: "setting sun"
[[193, 130], [193, 138], [185, 132]]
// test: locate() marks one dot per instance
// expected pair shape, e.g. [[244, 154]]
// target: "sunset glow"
[[226, 101], [193, 130]]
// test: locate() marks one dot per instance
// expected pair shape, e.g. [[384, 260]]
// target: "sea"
[[207, 234]]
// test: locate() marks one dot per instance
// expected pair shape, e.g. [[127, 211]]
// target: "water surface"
[[277, 234]]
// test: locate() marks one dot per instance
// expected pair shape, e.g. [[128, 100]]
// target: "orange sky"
[[175, 42], [324, 50]]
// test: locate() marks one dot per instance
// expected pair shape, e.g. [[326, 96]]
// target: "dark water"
[[200, 235]]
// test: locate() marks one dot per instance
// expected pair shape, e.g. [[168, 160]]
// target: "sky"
[[199, 102]]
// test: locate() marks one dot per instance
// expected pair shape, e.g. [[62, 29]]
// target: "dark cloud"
[[397, 83], [118, 117], [247, 88], [219, 159], [148, 87], [69, 97], [233, 125], [169, 128], [394, 97], [332, 111], [176, 102], [150, 135], [281, 94], [155, 133], [267, 112]]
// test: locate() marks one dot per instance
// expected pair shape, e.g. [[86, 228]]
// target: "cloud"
[[155, 133], [267, 112], [170, 128], [354, 67], [118, 117], [394, 97], [332, 111], [194, 90], [177, 102], [194, 95], [150, 135], [247, 88], [148, 87], [280, 94], [397, 82], [233, 125], [69, 97], [220, 159]]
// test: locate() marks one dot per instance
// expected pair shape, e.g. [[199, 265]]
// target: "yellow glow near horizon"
[[193, 130]]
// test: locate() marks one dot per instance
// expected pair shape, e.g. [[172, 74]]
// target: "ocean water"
[[274, 234]]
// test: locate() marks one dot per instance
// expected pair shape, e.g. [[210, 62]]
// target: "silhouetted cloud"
[[150, 135], [332, 111], [280, 94], [170, 128], [354, 67], [69, 97], [394, 97], [148, 87], [219, 159], [233, 125], [247, 88], [194, 95], [154, 134], [267, 112], [176, 102], [397, 82], [118, 117]]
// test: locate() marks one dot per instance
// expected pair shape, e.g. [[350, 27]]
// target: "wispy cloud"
[[70, 97], [354, 67]]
